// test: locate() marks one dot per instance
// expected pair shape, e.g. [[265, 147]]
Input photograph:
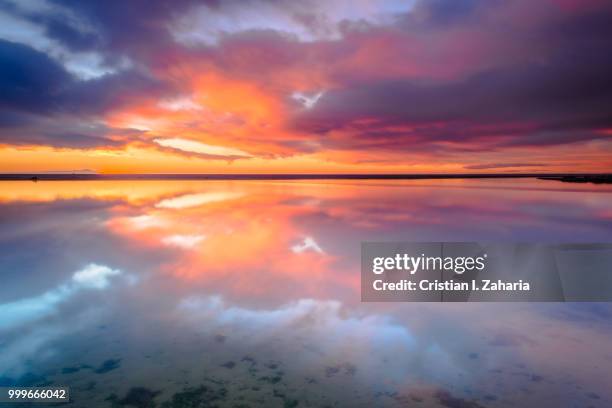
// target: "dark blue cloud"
[[444, 12], [136, 28], [29, 80], [42, 103]]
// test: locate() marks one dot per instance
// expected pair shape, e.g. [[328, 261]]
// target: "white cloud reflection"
[[146, 221], [323, 333], [94, 276], [307, 244], [23, 311], [196, 200], [308, 101], [183, 241]]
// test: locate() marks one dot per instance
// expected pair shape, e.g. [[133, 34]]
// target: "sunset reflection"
[[234, 276]]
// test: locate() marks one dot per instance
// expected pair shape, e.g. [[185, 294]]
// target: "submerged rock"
[[108, 365], [202, 396], [140, 397]]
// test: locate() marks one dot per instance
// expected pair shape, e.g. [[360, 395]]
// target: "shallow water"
[[246, 293]]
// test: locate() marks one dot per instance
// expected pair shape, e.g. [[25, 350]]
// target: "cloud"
[[199, 199], [23, 311], [306, 21], [308, 101], [60, 130], [443, 77], [192, 146], [307, 243], [40, 29], [29, 79], [524, 104], [323, 333], [183, 241], [94, 276], [112, 30], [44, 104], [485, 166]]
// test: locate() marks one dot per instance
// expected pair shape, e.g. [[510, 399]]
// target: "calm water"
[[246, 293]]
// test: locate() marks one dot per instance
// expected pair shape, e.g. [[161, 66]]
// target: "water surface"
[[246, 293]]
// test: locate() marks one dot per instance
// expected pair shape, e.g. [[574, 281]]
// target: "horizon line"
[[286, 176]]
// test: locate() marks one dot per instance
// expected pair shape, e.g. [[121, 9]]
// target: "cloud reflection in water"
[[270, 270]]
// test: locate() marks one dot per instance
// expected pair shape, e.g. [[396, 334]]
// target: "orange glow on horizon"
[[223, 125]]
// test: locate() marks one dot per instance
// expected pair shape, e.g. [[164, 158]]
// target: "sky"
[[255, 86]]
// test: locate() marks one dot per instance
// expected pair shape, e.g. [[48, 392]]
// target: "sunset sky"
[[306, 86]]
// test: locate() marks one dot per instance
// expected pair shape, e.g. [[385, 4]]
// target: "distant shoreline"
[[599, 178]]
